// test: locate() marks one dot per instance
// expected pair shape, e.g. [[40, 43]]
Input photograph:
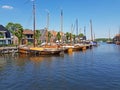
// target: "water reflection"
[[94, 69]]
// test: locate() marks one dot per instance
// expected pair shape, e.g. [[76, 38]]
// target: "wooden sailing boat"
[[44, 50], [109, 40], [92, 41], [118, 38]]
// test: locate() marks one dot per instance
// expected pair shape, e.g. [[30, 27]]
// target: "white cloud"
[[7, 7]]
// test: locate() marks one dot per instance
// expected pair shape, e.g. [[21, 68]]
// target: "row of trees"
[[17, 30]]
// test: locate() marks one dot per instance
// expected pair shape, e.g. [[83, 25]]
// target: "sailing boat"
[[92, 42], [109, 41], [44, 50]]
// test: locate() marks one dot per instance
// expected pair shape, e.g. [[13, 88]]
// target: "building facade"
[[5, 37]]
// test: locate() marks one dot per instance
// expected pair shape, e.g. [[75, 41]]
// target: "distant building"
[[28, 35], [5, 37], [116, 38]]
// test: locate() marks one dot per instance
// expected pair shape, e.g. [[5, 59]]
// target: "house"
[[5, 37], [116, 38], [28, 35]]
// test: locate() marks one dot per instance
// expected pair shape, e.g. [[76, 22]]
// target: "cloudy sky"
[[105, 14]]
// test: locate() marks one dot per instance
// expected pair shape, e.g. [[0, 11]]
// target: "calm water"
[[95, 69]]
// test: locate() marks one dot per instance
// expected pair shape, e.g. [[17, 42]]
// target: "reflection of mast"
[[91, 30], [61, 25], [34, 20]]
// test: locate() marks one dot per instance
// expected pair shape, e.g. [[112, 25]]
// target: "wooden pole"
[[34, 22], [61, 25], [91, 30]]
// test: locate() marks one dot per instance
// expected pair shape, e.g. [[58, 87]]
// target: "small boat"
[[109, 42]]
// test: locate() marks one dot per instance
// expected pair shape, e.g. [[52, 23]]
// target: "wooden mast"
[[71, 33], [34, 22], [47, 26], [61, 25], [91, 30], [109, 34]]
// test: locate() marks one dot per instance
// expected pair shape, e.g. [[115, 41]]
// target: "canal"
[[94, 69]]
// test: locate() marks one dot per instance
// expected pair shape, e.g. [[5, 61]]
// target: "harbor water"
[[93, 69]]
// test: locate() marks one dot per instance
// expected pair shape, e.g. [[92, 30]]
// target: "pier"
[[8, 50]]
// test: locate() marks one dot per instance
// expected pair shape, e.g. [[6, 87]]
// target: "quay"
[[8, 50], [43, 50]]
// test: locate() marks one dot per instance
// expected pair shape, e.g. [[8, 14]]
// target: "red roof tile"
[[28, 32]]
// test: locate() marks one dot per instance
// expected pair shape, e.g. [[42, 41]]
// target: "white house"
[[5, 37]]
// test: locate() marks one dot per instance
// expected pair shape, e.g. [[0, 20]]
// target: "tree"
[[16, 29], [1, 35], [74, 37], [58, 36], [81, 35], [67, 36], [49, 36], [37, 36], [11, 27]]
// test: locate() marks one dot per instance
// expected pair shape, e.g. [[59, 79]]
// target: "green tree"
[[67, 36], [74, 37], [58, 36], [81, 35], [16, 29], [37, 36], [1, 35], [49, 36], [11, 27]]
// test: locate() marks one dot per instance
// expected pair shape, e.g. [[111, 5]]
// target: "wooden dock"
[[8, 50]]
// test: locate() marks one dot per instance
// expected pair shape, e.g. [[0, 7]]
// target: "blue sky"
[[105, 14]]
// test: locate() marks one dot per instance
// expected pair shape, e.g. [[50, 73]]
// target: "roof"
[[28, 32], [117, 35], [3, 29]]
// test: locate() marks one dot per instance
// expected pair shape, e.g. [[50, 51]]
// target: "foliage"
[[1, 35], [29, 43], [67, 36], [73, 37], [58, 36], [102, 39], [49, 36], [37, 36], [81, 35], [16, 29]]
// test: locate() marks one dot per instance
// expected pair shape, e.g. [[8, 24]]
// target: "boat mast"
[[47, 26], [91, 30], [71, 33], [109, 34], [34, 21], [61, 25], [77, 27], [77, 30]]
